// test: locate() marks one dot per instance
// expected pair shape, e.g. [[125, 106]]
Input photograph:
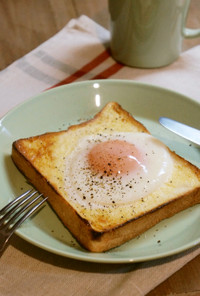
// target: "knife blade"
[[190, 133]]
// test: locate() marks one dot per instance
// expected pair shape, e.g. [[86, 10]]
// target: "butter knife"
[[190, 133]]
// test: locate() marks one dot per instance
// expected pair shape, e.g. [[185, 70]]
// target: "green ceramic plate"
[[56, 109]]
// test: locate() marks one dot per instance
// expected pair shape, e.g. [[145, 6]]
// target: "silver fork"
[[16, 212]]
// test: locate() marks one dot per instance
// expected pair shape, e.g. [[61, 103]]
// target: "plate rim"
[[106, 81]]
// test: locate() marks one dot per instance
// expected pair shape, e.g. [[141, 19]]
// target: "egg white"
[[94, 190]]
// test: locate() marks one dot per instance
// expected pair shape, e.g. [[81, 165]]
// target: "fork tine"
[[26, 215], [10, 204], [15, 204], [18, 213]]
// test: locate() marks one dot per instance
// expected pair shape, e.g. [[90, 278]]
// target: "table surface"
[[26, 24]]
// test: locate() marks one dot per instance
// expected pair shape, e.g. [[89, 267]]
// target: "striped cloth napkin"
[[80, 51]]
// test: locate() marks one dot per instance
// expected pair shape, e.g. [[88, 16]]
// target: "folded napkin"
[[80, 52]]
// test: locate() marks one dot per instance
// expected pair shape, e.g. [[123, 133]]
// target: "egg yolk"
[[114, 157]]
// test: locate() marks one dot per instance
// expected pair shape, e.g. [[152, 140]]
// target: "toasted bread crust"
[[92, 237]]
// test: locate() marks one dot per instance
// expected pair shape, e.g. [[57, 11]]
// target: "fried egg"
[[116, 169]]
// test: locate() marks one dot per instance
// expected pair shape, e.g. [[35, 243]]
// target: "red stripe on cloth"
[[85, 69], [109, 71]]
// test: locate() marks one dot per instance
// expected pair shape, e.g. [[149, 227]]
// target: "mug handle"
[[187, 32], [191, 33]]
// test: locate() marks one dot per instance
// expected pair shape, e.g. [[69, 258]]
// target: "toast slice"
[[42, 159]]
